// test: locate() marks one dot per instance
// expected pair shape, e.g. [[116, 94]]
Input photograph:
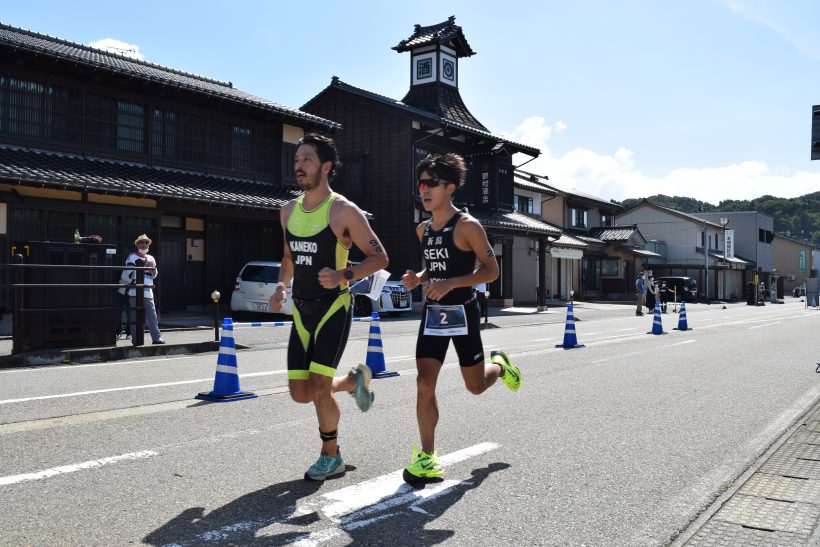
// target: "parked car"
[[255, 285], [686, 288], [394, 298]]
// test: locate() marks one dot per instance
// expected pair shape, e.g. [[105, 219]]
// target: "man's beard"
[[308, 182]]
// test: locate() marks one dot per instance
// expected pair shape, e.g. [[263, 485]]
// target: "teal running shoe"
[[511, 376], [326, 466], [362, 393]]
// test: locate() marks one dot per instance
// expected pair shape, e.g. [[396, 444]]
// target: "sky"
[[709, 99]]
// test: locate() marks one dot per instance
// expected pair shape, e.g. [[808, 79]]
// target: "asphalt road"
[[623, 442]]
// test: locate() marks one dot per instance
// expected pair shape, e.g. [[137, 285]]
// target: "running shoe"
[[362, 393], [511, 376], [422, 466], [326, 466]]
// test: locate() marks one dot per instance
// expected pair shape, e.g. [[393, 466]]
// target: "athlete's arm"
[[347, 218], [286, 269], [411, 279]]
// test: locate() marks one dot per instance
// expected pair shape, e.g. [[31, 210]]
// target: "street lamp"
[[723, 222], [215, 297]]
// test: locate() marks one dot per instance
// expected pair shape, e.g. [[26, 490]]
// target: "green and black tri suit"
[[321, 317]]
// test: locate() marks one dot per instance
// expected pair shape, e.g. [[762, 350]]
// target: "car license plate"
[[260, 306]]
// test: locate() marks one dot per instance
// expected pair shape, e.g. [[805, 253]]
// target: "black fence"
[[70, 305]]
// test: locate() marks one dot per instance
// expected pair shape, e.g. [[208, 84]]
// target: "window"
[[165, 134], [580, 218], [40, 110], [130, 126], [764, 236], [703, 239], [609, 266], [522, 204], [193, 138], [606, 220], [288, 153], [241, 148]]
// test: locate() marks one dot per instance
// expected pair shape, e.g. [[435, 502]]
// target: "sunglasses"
[[432, 183], [143, 242]]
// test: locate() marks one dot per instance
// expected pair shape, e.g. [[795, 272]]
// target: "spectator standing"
[[481, 295], [640, 291], [139, 258], [663, 291]]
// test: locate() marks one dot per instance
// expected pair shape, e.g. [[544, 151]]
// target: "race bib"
[[445, 320]]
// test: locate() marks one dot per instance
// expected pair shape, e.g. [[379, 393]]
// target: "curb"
[[97, 355]]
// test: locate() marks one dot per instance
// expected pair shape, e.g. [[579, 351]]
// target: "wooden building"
[[117, 147], [384, 138]]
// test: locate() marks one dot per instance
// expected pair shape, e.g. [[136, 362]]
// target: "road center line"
[[765, 325], [63, 469]]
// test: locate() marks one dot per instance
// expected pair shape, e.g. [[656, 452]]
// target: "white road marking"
[[63, 469], [346, 506], [765, 325], [684, 342], [390, 490], [127, 388]]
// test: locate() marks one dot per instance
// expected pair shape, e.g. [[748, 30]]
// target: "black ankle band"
[[329, 436]]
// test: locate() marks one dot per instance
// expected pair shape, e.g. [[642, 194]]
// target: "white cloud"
[[118, 46], [617, 175]]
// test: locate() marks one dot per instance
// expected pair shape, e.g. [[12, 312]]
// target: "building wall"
[[552, 211], [377, 172], [787, 261], [525, 273]]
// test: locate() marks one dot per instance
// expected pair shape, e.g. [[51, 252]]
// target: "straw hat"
[[142, 237]]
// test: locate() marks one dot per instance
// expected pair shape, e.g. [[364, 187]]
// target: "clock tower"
[[434, 54]]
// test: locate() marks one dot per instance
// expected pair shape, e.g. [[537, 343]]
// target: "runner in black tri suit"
[[451, 243], [320, 227]]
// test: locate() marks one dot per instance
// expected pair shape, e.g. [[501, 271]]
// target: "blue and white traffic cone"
[[682, 324], [570, 340], [657, 327], [375, 351], [226, 381]]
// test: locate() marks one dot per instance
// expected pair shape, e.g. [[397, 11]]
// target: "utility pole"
[[705, 262]]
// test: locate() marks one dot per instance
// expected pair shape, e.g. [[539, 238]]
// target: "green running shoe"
[[362, 393], [326, 466], [511, 376], [423, 466]]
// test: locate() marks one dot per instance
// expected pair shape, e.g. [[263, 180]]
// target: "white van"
[[394, 298], [255, 284]]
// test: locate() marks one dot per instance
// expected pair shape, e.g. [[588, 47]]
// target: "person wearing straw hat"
[[451, 243], [320, 227], [140, 257]]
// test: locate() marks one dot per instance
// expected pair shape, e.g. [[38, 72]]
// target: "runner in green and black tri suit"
[[451, 243], [320, 227]]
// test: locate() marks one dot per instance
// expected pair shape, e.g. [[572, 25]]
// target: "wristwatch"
[[348, 274]]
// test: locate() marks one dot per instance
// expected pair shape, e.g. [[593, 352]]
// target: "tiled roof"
[[444, 101], [613, 233], [589, 239], [514, 221], [639, 251], [336, 83], [446, 33], [532, 183], [42, 44], [687, 216], [574, 192], [570, 242], [70, 172]]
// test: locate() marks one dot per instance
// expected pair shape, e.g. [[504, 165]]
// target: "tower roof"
[[447, 34]]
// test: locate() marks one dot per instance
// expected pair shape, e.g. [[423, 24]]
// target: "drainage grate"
[[716, 533], [762, 514], [789, 460]]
